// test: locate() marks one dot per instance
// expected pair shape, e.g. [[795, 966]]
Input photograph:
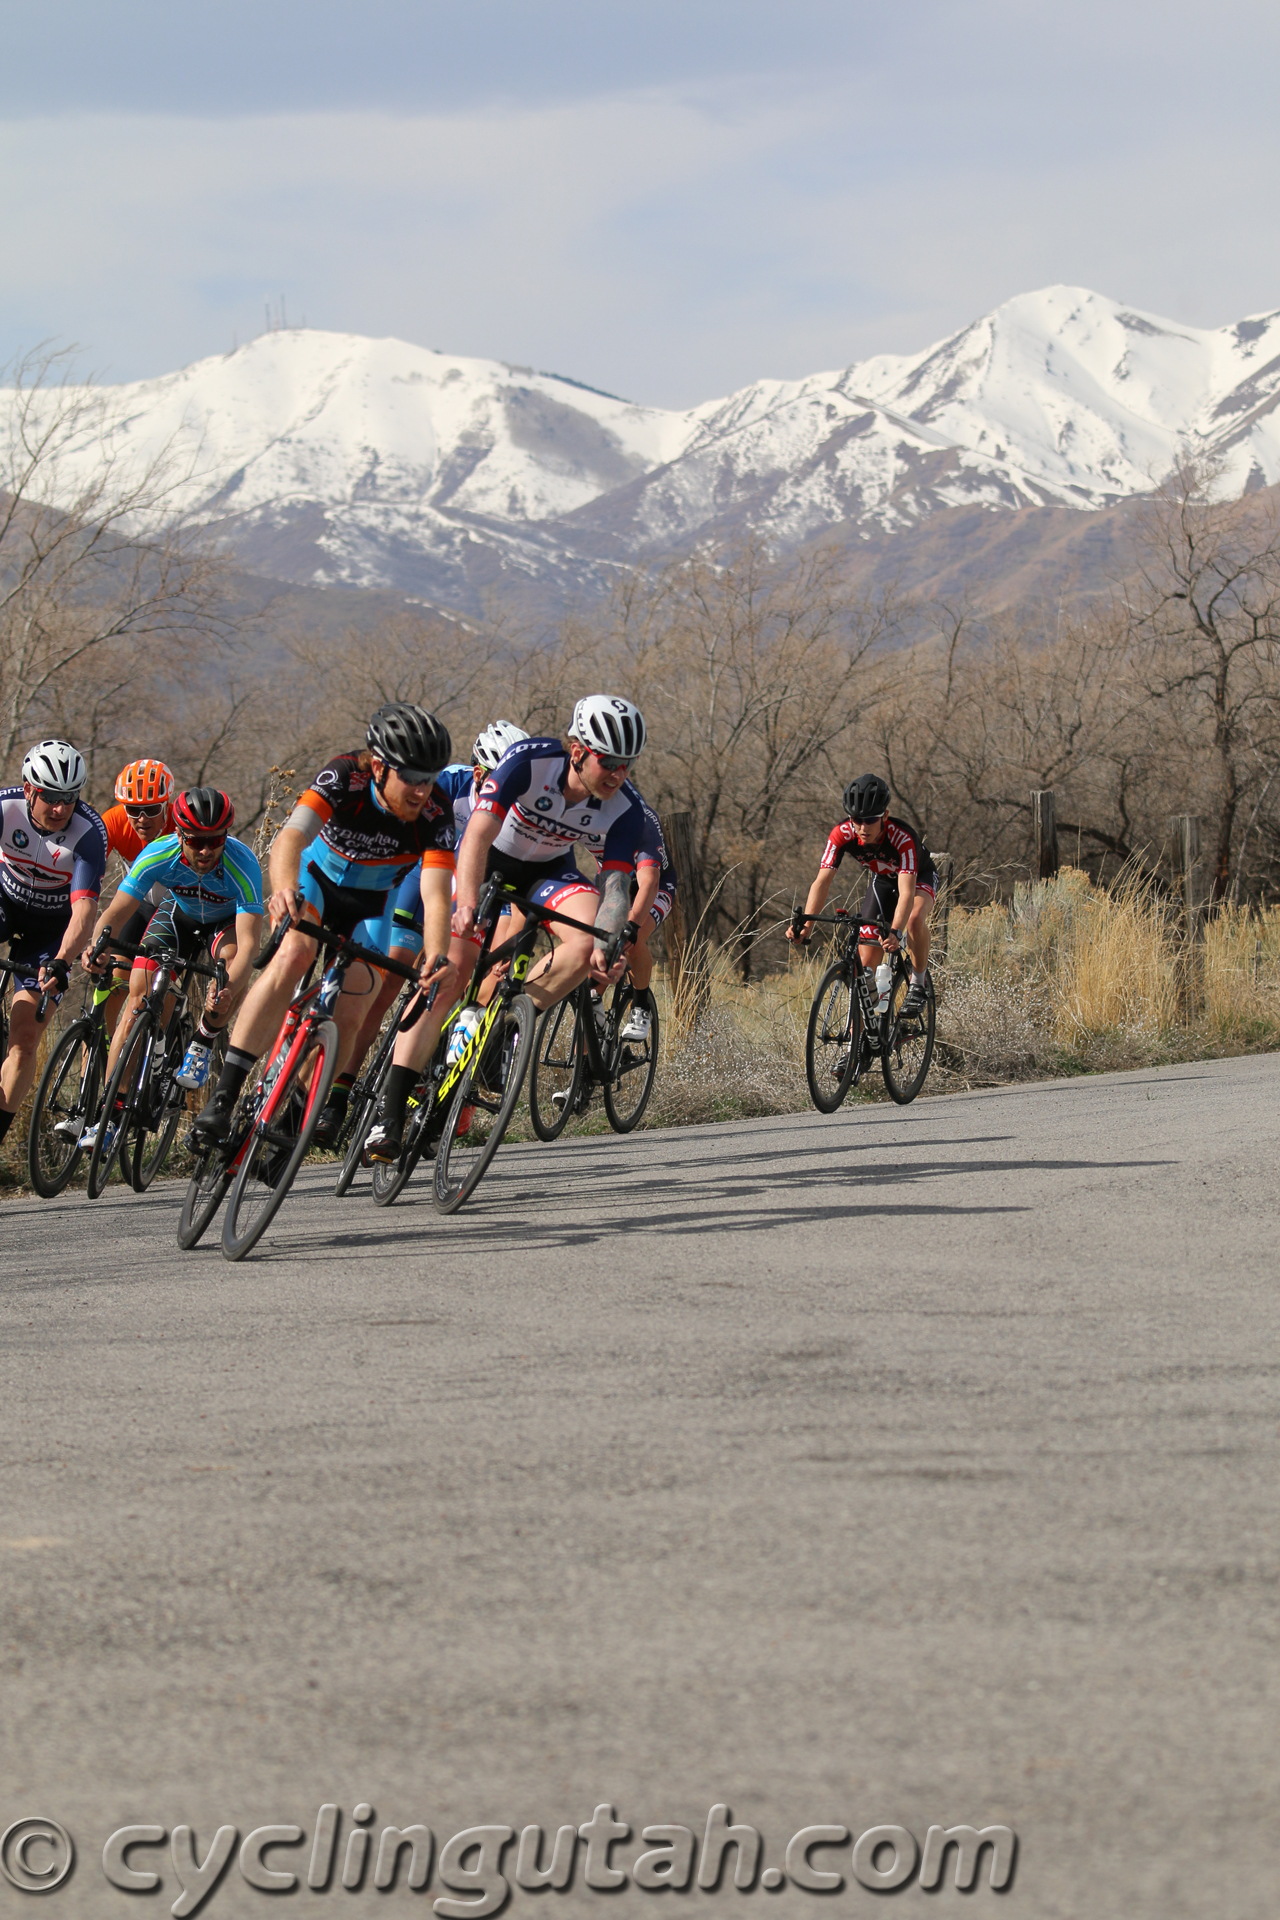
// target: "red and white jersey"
[[900, 850]]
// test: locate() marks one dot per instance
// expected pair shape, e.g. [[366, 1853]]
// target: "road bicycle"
[[846, 1034], [144, 1104], [279, 1109], [463, 1105], [579, 1047], [67, 1099]]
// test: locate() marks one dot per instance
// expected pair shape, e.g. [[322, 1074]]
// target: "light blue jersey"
[[234, 886]]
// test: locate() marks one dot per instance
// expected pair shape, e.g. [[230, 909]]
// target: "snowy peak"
[[329, 458]]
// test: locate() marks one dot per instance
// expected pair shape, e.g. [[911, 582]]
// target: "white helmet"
[[56, 766], [494, 741], [608, 724]]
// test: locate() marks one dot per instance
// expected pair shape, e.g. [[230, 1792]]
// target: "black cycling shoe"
[[916, 1001], [330, 1124], [213, 1127]]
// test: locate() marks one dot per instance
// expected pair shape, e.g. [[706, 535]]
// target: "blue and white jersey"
[[527, 792], [46, 871], [459, 782], [234, 886], [654, 851]]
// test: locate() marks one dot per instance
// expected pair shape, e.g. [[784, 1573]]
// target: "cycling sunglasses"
[[202, 842], [612, 762], [418, 776], [56, 799], [143, 813]]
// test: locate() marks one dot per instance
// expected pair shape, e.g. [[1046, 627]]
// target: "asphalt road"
[[900, 1468]]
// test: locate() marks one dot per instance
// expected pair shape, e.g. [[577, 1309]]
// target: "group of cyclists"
[[391, 846]]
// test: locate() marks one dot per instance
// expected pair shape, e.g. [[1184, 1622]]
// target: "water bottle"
[[462, 1032], [884, 980]]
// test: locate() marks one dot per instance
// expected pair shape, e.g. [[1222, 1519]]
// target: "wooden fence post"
[[942, 861], [1045, 814], [688, 961], [1188, 867]]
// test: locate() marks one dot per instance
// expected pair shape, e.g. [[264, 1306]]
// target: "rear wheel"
[[490, 1086], [626, 1095], [280, 1140], [421, 1130], [118, 1104], [834, 1037], [555, 1077], [161, 1103], [907, 1047], [65, 1103]]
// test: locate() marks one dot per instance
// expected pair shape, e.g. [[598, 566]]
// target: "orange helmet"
[[145, 783]]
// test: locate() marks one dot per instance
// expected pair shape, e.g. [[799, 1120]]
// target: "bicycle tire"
[[359, 1122], [122, 1088], [73, 1068], [205, 1192], [460, 1166], [557, 1067], [162, 1087], [391, 1177], [906, 1046], [834, 1037], [638, 1063], [250, 1212]]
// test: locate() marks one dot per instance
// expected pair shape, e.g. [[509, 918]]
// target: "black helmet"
[[409, 739], [866, 798], [203, 810]]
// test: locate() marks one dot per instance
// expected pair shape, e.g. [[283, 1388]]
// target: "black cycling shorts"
[[170, 932], [880, 901], [33, 939]]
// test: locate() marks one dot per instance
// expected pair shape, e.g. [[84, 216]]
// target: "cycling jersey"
[[45, 871], [358, 841], [899, 850], [459, 782], [540, 823], [234, 886]]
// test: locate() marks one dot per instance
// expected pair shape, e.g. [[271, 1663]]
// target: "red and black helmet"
[[204, 812]]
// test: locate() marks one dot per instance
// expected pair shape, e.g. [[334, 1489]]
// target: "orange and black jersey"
[[359, 842]]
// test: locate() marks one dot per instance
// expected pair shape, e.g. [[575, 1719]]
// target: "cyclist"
[[53, 854], [210, 885], [653, 890], [903, 882], [142, 814], [541, 801], [398, 933], [365, 822]]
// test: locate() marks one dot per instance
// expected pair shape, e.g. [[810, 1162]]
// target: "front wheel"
[[279, 1143], [165, 1102], [65, 1103], [490, 1086], [626, 1093], [555, 1078], [907, 1044], [834, 1037], [118, 1104]]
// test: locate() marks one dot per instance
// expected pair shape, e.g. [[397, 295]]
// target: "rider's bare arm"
[[111, 921], [285, 863], [816, 901], [473, 857]]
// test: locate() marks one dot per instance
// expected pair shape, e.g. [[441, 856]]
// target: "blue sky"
[[666, 200]]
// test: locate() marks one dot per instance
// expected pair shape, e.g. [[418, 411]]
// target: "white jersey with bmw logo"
[[539, 822]]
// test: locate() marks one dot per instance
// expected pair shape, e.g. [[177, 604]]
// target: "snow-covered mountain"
[[328, 458]]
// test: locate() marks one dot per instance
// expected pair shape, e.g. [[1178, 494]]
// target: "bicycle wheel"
[[276, 1151], [66, 1098], [118, 1103], [358, 1123], [907, 1044], [203, 1197], [161, 1103], [555, 1076], [491, 1087], [834, 1036], [626, 1095], [422, 1128]]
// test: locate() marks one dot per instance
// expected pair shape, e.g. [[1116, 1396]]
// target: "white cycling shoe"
[[194, 1070], [637, 1027]]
